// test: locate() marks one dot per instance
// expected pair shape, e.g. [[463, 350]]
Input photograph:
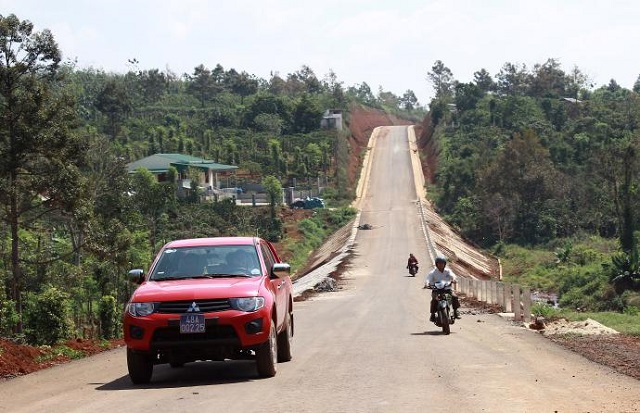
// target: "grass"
[[544, 267], [546, 311], [527, 266], [54, 352], [314, 232], [625, 323]]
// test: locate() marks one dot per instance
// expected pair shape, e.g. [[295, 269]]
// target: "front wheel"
[[284, 340], [267, 354], [444, 321], [140, 367]]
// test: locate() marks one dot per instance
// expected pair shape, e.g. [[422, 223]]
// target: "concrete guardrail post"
[[508, 297], [517, 309], [526, 304], [495, 292]]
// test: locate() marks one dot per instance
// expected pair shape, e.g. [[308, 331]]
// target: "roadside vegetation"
[[542, 168], [73, 222], [575, 273], [314, 230]]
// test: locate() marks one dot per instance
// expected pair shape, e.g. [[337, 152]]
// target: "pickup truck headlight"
[[247, 304], [140, 309]]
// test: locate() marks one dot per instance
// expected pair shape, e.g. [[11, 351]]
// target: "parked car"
[[210, 299], [307, 203], [235, 190]]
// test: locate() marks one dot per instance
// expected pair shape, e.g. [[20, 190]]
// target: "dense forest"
[[73, 221], [540, 157]]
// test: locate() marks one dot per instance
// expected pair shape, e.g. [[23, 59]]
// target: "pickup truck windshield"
[[195, 262]]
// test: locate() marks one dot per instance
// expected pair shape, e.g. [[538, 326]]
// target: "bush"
[[335, 218], [633, 299], [8, 317], [313, 233], [109, 317], [545, 310], [48, 317]]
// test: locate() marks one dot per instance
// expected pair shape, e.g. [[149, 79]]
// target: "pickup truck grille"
[[201, 306]]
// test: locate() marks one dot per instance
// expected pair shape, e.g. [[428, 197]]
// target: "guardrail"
[[512, 298]]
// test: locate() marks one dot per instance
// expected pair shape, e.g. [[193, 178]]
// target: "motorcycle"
[[413, 269], [444, 313]]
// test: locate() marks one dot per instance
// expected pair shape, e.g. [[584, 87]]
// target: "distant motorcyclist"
[[441, 274], [412, 260]]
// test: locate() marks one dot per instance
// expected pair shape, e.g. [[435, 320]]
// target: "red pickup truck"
[[210, 299]]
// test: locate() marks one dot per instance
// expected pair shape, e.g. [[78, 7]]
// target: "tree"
[[467, 96], [153, 84], [313, 157], [202, 84], [242, 84], [620, 168], [334, 87], [266, 122], [512, 79], [311, 83], [388, 99], [548, 80], [523, 176], [409, 101], [274, 191], [269, 104], [577, 83], [441, 78], [636, 85], [113, 101], [40, 156], [277, 160], [483, 80], [363, 93], [153, 200], [307, 115], [277, 84]]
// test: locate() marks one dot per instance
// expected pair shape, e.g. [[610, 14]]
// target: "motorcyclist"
[[412, 260], [441, 274]]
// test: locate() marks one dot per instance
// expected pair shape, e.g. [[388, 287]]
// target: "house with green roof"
[[211, 172]]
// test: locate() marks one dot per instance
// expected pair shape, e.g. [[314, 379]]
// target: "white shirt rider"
[[438, 274]]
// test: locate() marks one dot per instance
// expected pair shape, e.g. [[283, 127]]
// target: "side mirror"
[[136, 276], [280, 270]]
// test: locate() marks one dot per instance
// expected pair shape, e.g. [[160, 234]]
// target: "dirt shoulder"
[[20, 359], [620, 352], [588, 338]]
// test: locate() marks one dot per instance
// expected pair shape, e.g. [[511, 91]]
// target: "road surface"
[[365, 348]]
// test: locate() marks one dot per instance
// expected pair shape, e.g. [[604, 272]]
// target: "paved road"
[[365, 348]]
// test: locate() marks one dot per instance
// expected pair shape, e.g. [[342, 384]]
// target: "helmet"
[[441, 259]]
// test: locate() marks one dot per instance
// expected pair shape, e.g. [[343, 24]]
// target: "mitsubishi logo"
[[193, 308]]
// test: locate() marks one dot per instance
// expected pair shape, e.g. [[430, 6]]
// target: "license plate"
[[192, 323]]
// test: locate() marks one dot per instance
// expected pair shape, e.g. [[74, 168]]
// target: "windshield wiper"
[[172, 278], [224, 275], [191, 277]]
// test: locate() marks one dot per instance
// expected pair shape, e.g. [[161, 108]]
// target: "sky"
[[389, 44]]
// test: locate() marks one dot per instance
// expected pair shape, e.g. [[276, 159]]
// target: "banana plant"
[[626, 274]]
